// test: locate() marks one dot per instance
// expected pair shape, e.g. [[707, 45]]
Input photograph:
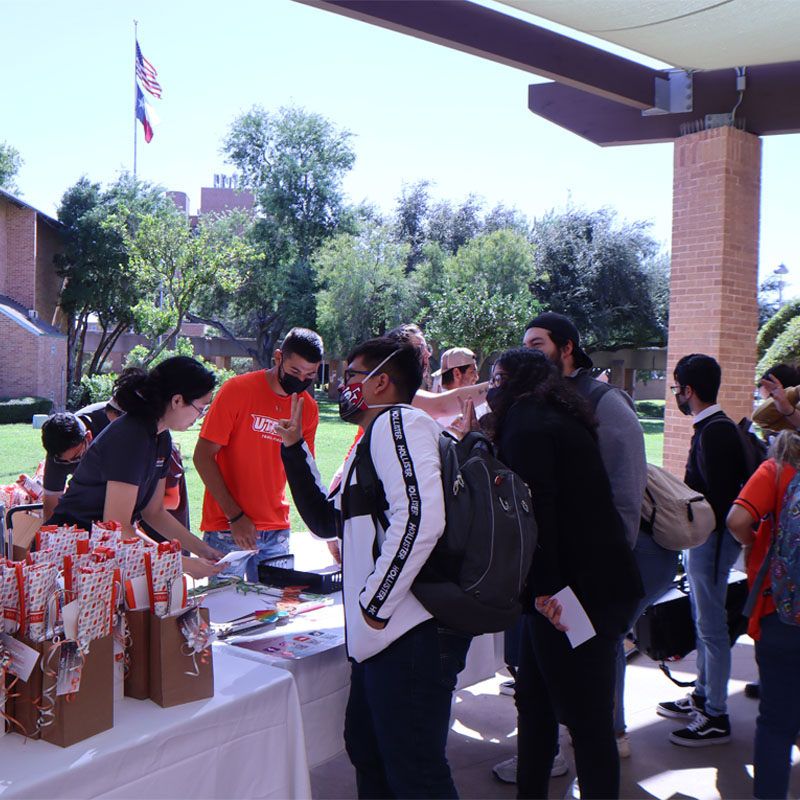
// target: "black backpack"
[[475, 575]]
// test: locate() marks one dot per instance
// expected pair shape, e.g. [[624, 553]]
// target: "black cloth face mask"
[[291, 384]]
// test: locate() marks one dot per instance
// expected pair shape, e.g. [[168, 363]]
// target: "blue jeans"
[[657, 566], [711, 618], [778, 723], [270, 545], [398, 714]]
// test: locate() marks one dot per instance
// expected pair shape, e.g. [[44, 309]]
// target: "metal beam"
[[480, 31], [769, 106]]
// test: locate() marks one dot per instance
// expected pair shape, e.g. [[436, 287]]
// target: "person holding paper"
[[544, 431], [122, 475]]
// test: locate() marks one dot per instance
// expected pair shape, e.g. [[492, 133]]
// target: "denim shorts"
[[270, 545]]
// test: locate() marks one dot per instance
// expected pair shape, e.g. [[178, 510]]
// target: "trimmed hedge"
[[22, 409], [651, 409]]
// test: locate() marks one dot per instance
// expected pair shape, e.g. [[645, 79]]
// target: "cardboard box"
[[170, 685], [137, 679]]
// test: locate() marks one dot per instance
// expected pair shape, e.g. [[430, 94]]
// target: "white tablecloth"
[[323, 679], [245, 742]]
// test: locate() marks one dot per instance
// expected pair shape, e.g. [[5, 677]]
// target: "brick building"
[[33, 353]]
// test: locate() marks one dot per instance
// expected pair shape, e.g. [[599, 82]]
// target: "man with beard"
[[238, 453], [621, 442], [619, 433], [717, 467], [405, 662]]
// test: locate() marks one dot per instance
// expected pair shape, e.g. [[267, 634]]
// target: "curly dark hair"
[[531, 374]]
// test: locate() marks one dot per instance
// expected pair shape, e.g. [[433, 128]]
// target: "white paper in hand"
[[236, 555], [574, 617]]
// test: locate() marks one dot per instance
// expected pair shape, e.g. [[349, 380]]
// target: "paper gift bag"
[[24, 697], [137, 678], [23, 533], [90, 710], [171, 680]]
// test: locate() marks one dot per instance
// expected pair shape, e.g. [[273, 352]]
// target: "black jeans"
[[398, 714], [575, 687]]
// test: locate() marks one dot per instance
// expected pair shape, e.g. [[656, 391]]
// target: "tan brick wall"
[[714, 281], [31, 364], [216, 200], [48, 282], [21, 254], [3, 249]]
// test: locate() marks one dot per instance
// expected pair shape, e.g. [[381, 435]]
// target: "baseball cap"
[[563, 327], [456, 357]]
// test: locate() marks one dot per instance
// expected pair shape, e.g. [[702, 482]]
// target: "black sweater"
[[581, 536], [717, 465]]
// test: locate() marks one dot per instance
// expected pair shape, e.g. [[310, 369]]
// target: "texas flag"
[[145, 114]]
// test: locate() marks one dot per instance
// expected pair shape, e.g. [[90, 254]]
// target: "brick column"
[[714, 280]]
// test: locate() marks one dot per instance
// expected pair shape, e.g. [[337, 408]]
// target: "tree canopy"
[[294, 162], [10, 163], [608, 277], [95, 263]]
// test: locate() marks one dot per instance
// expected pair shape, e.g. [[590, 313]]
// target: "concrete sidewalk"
[[483, 732]]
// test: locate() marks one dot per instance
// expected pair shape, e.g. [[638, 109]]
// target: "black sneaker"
[[752, 690], [683, 708], [703, 731]]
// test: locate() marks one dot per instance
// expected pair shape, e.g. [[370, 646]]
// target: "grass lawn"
[[21, 450]]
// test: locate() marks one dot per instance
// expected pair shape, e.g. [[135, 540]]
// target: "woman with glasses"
[[122, 475], [545, 432]]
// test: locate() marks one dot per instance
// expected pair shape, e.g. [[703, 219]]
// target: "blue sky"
[[417, 111]]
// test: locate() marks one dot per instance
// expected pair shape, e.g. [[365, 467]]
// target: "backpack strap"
[[370, 489], [746, 460], [758, 583]]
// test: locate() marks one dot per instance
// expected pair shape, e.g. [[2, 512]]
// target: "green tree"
[[601, 274], [774, 326], [476, 317], [294, 162], [10, 163], [98, 283], [364, 290], [173, 263], [486, 294]]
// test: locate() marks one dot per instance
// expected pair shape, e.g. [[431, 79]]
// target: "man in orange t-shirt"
[[238, 453]]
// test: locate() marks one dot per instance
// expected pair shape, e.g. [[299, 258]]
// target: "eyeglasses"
[[677, 389], [498, 379], [75, 459], [349, 374], [201, 411]]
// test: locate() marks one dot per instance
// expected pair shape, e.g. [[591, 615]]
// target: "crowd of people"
[[567, 434]]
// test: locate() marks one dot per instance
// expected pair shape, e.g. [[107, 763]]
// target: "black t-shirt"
[[129, 451], [95, 419]]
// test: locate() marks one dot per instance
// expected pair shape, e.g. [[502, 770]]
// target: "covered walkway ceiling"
[[688, 34], [734, 61]]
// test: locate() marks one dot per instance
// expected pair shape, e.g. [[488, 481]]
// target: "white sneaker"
[[506, 771], [624, 745], [560, 766], [507, 687]]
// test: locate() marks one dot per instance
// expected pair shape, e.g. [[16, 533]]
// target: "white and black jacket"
[[378, 567]]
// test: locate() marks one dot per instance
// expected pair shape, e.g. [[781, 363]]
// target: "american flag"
[[146, 73]]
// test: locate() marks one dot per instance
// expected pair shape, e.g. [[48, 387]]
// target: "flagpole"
[[135, 92]]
